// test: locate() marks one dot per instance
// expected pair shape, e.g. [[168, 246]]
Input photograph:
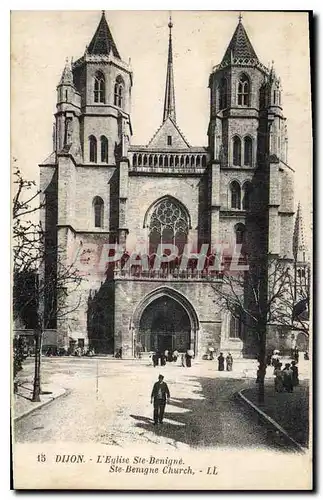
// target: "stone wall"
[[130, 296]]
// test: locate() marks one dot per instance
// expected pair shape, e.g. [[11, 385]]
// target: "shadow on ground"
[[290, 410], [215, 418]]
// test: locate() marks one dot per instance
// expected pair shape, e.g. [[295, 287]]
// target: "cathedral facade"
[[101, 192]]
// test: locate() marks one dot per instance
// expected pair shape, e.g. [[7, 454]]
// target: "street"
[[108, 402]]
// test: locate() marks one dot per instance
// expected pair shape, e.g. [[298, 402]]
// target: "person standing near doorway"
[[159, 396]]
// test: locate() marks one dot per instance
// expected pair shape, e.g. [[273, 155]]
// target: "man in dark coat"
[[159, 396], [221, 362], [154, 359], [295, 379]]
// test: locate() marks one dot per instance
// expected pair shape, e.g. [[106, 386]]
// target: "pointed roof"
[[169, 103], [168, 128], [67, 75], [240, 45], [102, 42], [299, 246]]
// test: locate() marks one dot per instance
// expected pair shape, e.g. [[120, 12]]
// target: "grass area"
[[290, 410]]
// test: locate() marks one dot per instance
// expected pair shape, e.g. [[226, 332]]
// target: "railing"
[[137, 272], [167, 162]]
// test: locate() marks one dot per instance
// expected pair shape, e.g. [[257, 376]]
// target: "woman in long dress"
[[288, 378], [229, 360], [279, 387]]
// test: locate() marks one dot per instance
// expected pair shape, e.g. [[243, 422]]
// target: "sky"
[[41, 41]]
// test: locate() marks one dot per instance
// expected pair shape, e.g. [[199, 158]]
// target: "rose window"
[[168, 224]]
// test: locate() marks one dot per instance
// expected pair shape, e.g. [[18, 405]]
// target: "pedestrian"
[[118, 354], [183, 359], [295, 379], [175, 355], [229, 360], [163, 359], [279, 387], [296, 354], [159, 396], [268, 359], [166, 354], [275, 359], [211, 355], [137, 351], [188, 358], [288, 378], [221, 362], [154, 359]]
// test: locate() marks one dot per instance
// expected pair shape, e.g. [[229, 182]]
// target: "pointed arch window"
[[240, 230], [243, 91], [99, 88], [169, 223], [247, 189], [119, 92], [223, 94], [104, 149], [93, 149], [235, 325], [248, 151], [98, 206], [236, 151], [235, 191]]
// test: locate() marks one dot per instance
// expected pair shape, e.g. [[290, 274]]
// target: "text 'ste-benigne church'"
[[101, 189]]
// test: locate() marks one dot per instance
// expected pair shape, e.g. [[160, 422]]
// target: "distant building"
[[100, 188]]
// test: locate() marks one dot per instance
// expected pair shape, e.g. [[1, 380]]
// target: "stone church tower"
[[100, 190]]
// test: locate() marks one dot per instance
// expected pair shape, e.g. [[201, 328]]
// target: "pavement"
[[22, 400], [109, 402], [288, 412]]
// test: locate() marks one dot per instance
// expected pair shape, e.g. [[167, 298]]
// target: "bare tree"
[[26, 229], [258, 300], [31, 283]]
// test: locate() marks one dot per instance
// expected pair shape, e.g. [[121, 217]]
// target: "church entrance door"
[[165, 325]]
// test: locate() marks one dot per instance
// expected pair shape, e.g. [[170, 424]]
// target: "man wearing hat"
[[159, 396]]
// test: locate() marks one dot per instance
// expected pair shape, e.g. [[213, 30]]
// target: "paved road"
[[108, 402]]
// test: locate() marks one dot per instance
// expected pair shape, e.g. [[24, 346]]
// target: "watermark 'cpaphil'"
[[92, 257]]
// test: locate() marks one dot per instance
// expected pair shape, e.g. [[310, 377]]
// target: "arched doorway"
[[166, 319], [165, 324]]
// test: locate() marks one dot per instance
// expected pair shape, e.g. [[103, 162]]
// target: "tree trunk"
[[262, 363], [37, 391], [261, 384]]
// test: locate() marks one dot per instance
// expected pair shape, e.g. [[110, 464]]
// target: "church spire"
[[240, 46], [169, 104], [67, 75], [102, 42], [299, 247]]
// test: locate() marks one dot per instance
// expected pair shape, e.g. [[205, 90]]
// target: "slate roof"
[[67, 75], [240, 45], [102, 42]]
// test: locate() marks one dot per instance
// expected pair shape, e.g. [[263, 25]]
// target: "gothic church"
[[100, 188]]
